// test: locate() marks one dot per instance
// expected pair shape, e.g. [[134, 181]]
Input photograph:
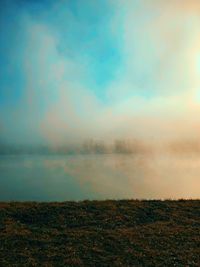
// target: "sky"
[[72, 70]]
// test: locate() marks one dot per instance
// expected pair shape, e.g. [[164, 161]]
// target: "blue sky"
[[97, 67], [82, 30]]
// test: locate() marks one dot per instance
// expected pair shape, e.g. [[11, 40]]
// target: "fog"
[[99, 99], [50, 87], [118, 176]]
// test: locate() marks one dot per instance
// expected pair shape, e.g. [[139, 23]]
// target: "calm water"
[[64, 177]]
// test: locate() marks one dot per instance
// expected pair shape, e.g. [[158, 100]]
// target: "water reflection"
[[77, 177]]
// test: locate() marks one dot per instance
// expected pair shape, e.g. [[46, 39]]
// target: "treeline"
[[90, 146], [118, 146], [187, 146], [23, 149]]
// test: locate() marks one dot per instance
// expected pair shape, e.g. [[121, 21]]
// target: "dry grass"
[[100, 233]]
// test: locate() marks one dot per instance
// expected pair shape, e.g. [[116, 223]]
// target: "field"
[[100, 233]]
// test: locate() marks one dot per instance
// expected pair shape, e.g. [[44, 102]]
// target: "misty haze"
[[99, 99], [94, 170], [100, 133]]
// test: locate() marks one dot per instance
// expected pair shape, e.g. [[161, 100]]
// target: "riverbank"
[[100, 233]]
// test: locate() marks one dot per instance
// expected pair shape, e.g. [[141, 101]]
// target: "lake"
[[101, 176]]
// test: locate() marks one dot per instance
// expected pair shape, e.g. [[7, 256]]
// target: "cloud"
[[103, 70], [159, 41], [153, 94]]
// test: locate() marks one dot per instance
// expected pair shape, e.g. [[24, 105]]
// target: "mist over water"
[[98, 176], [124, 73]]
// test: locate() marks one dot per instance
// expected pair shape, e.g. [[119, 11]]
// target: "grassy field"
[[100, 233]]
